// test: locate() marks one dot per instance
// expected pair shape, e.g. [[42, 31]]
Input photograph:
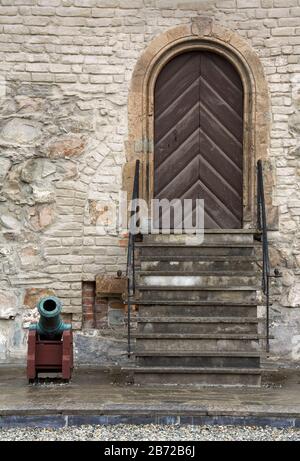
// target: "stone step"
[[226, 265], [222, 249], [236, 294], [210, 236], [196, 309], [197, 342], [197, 319], [197, 325], [197, 328], [193, 303], [201, 258], [175, 245], [198, 359], [191, 319], [185, 273], [178, 353], [197, 281], [196, 376], [196, 336]]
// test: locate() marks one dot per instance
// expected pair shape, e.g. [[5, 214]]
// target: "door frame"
[[202, 34]]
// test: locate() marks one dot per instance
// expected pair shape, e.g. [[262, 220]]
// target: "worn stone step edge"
[[179, 336], [194, 288], [175, 353], [200, 258], [194, 370], [189, 245], [219, 273], [166, 302], [209, 258], [191, 319], [223, 231]]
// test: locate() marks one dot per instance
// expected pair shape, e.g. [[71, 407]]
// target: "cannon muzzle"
[[50, 324]]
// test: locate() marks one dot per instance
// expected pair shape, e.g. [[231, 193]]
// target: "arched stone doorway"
[[202, 35]]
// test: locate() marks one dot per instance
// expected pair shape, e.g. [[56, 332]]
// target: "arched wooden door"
[[198, 136]]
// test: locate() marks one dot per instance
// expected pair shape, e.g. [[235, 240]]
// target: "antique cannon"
[[50, 343]]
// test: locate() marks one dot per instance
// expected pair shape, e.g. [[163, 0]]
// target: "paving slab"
[[97, 396]]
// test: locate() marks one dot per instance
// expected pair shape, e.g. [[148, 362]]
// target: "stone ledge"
[[57, 421], [119, 403]]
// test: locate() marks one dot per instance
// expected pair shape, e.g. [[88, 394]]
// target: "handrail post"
[[268, 317], [262, 226], [128, 320], [130, 271]]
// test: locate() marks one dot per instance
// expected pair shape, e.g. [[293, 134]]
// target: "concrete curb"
[[60, 421]]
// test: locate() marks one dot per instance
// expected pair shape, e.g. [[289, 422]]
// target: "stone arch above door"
[[204, 34]]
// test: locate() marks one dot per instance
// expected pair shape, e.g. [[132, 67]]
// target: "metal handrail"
[[262, 227], [130, 270]]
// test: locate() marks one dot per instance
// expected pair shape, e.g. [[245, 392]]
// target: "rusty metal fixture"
[[107, 286], [50, 342]]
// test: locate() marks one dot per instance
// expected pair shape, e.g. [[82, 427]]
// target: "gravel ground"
[[152, 433]]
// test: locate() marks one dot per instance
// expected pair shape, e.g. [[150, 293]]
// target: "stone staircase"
[[197, 321]]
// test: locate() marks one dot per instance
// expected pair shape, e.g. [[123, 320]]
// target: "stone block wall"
[[66, 67]]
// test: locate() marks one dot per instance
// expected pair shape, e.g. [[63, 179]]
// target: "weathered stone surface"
[[12, 190], [5, 164], [96, 348], [115, 317], [285, 327], [288, 277], [30, 257], [8, 305], [70, 171], [19, 131], [11, 223], [31, 171], [33, 295], [66, 147], [29, 316], [294, 123], [48, 169], [3, 342], [293, 299], [102, 213], [42, 216], [42, 193], [202, 26], [276, 259], [46, 216]]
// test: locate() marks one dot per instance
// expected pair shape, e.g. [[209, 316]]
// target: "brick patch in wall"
[[88, 304], [94, 308], [100, 311]]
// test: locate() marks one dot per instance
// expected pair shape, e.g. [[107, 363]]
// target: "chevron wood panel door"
[[198, 136]]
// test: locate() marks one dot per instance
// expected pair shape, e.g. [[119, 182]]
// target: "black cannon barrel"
[[50, 323]]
